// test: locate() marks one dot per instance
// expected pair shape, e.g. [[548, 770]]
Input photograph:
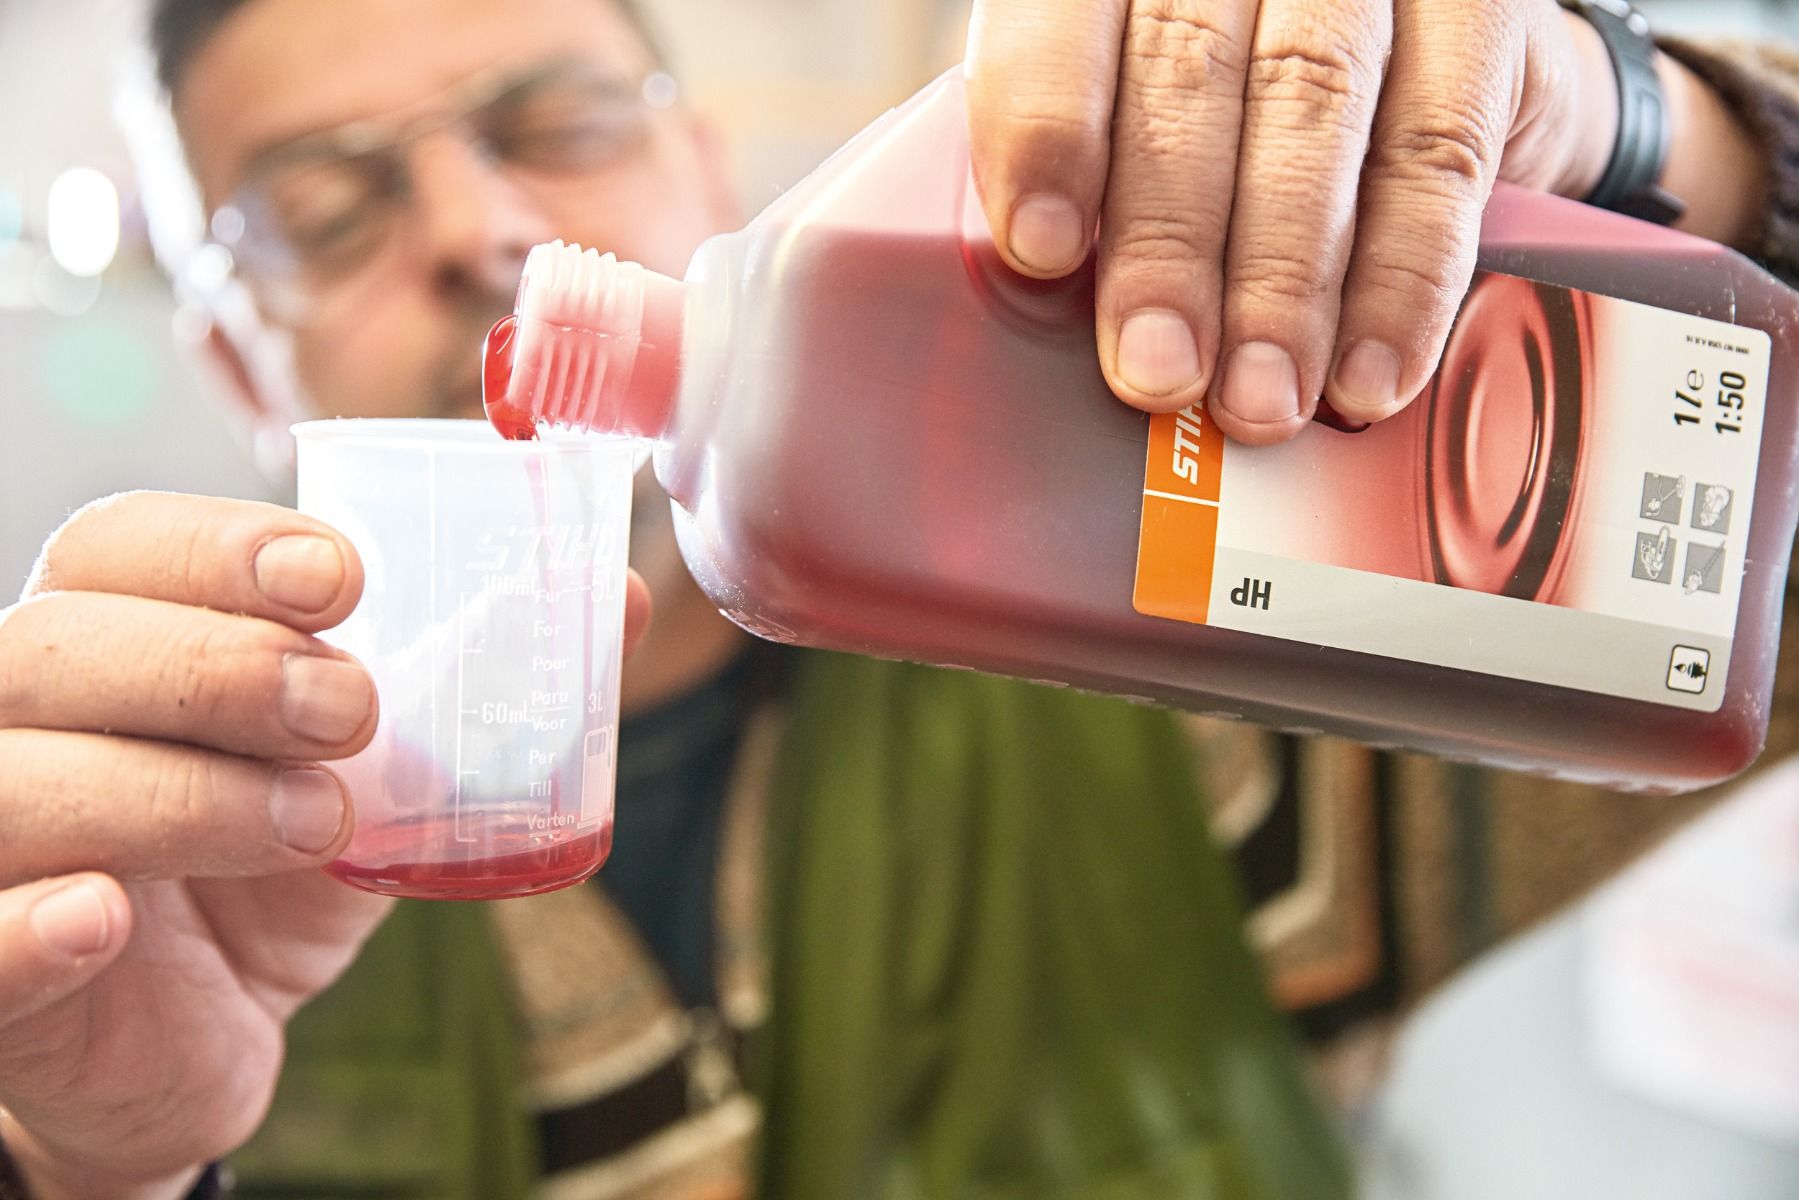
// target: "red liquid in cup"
[[499, 867]]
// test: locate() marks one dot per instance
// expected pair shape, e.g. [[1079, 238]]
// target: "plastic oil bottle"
[[1567, 556]]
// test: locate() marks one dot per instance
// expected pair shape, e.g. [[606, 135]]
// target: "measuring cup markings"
[[551, 547], [489, 775], [550, 703], [596, 775], [462, 653], [434, 636], [546, 710]]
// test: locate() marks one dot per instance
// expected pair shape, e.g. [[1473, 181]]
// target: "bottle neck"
[[594, 345], [656, 382]]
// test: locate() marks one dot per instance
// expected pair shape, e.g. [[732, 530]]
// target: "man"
[[1002, 954]]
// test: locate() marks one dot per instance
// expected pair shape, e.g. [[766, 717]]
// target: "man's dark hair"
[[179, 28]]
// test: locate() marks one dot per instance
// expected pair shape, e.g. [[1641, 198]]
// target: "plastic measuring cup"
[[491, 619]]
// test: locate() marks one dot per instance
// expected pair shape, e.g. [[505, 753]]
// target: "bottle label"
[[1567, 502]]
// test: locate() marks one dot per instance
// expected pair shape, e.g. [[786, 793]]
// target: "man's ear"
[[215, 348]]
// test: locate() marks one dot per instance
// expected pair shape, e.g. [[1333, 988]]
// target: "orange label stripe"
[[1178, 538]]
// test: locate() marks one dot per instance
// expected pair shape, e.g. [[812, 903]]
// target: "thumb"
[[55, 936]]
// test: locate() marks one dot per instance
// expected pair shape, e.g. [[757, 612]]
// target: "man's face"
[[391, 324]]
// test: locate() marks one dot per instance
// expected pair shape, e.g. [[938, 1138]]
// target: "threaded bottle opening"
[[593, 345]]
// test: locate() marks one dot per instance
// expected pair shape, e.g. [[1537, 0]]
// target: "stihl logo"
[[1187, 434]]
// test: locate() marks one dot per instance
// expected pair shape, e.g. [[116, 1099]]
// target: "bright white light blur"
[[83, 223], [228, 225], [659, 90], [209, 267]]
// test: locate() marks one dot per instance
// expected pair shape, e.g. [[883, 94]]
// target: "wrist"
[[1715, 163], [1714, 167], [45, 1177], [1595, 130]]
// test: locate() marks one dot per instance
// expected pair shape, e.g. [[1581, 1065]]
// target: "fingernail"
[[303, 572], [1261, 384], [307, 807], [1047, 233], [1368, 377], [1156, 352], [324, 699], [72, 921]]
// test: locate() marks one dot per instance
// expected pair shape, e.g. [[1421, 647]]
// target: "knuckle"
[[1055, 111], [43, 786], [1447, 148], [189, 549], [1060, 137], [180, 788], [1159, 240], [201, 668], [16, 689], [1274, 278], [1177, 45], [1314, 86], [1426, 285], [31, 632], [19, 778]]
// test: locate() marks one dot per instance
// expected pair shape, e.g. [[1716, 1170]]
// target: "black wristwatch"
[[1631, 183]]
